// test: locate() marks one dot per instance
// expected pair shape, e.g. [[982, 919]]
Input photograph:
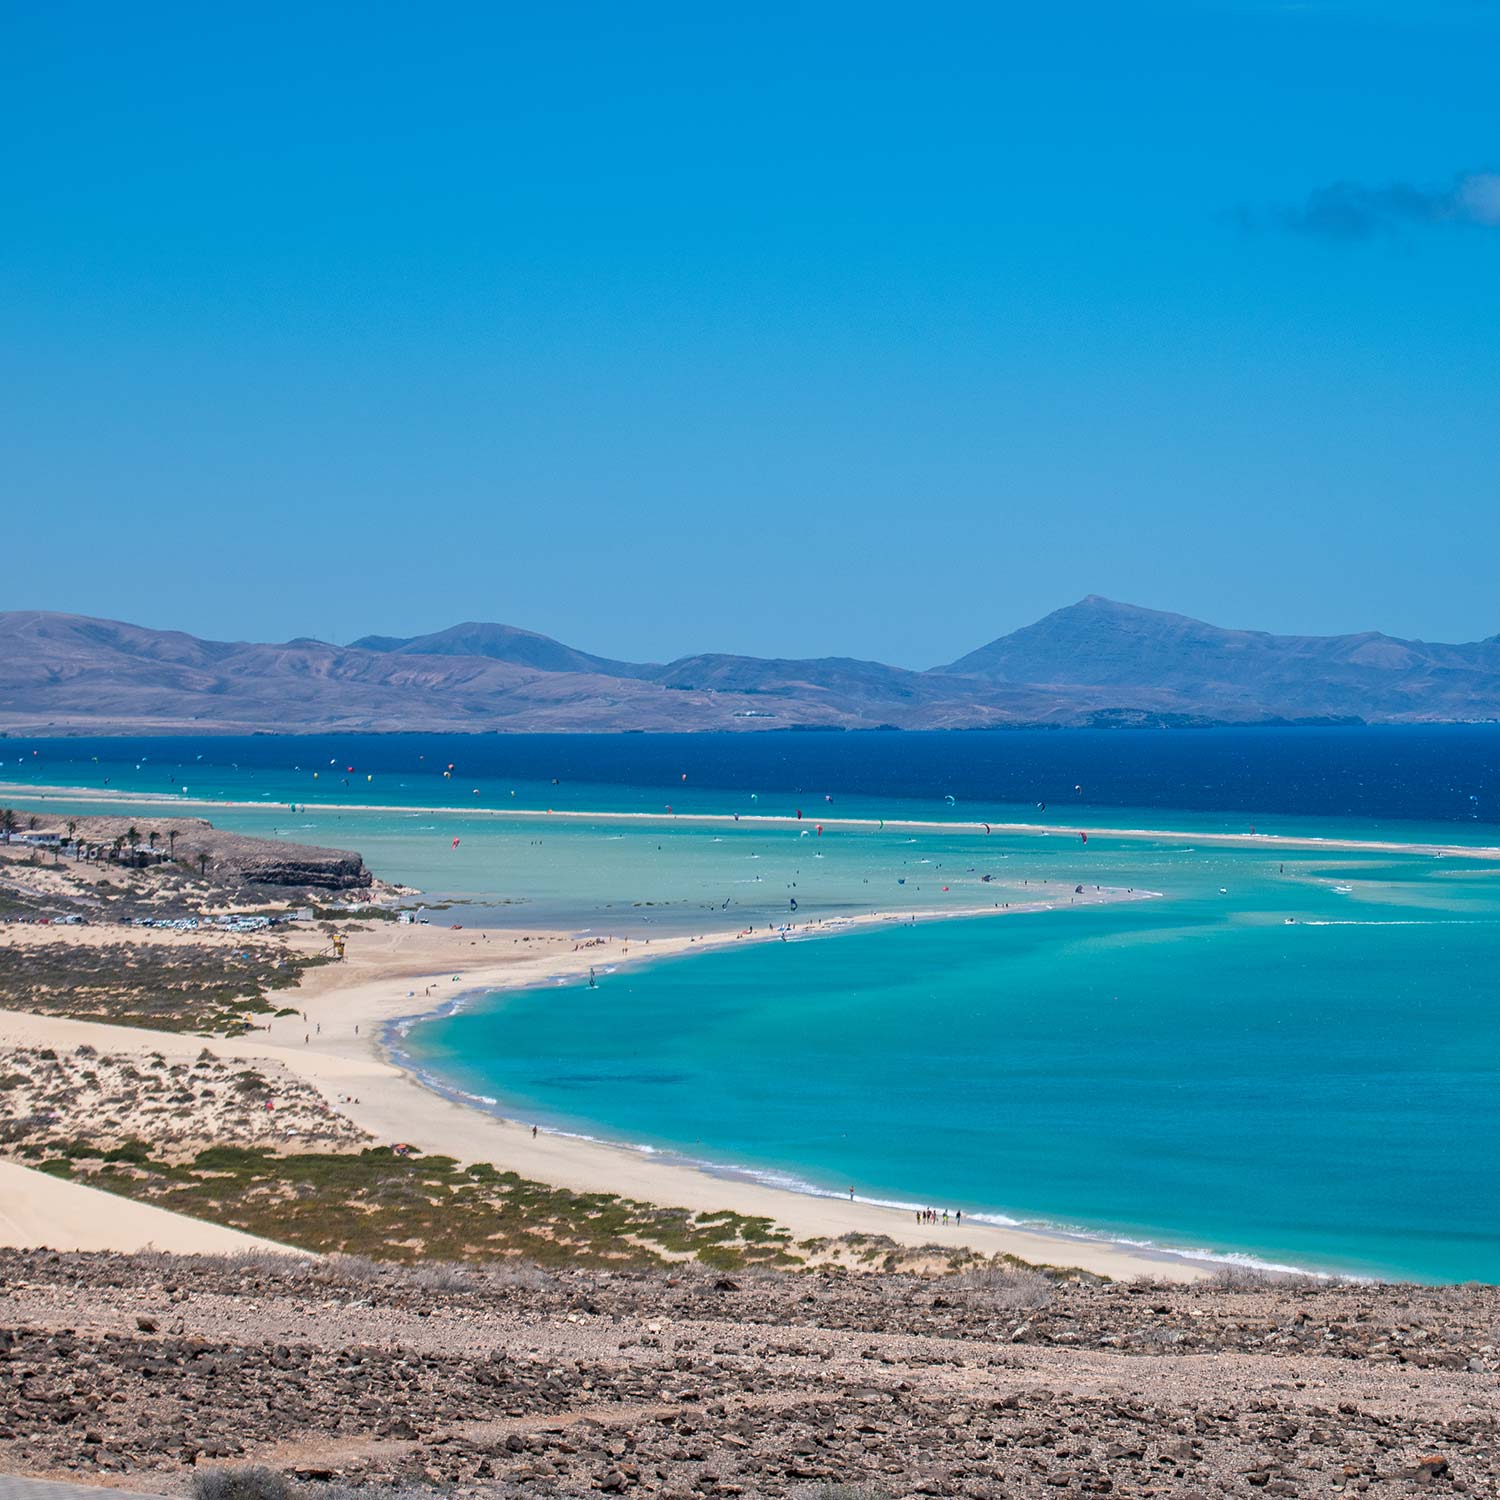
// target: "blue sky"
[[853, 329]]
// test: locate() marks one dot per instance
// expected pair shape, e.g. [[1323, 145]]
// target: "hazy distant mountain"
[[523, 648], [71, 674], [1119, 648], [1095, 662]]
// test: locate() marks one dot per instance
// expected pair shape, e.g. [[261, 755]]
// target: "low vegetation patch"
[[388, 1206], [203, 986]]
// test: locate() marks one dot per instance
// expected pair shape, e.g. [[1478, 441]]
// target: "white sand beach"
[[396, 971]]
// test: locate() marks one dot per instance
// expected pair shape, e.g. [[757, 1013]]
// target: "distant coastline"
[[1095, 663]]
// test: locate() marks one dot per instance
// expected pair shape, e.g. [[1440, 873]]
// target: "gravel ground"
[[508, 1381]]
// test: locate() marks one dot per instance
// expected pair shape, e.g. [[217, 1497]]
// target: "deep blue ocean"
[[1444, 774], [1291, 1055]]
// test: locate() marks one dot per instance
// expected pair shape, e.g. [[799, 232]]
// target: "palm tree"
[[151, 839], [172, 842], [73, 835], [202, 862], [8, 822]]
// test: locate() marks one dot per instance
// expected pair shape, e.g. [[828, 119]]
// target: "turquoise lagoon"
[[1289, 1055]]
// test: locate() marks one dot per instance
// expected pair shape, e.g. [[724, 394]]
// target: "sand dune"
[[38, 1211]]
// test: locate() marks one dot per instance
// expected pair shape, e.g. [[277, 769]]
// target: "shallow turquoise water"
[[1190, 1071]]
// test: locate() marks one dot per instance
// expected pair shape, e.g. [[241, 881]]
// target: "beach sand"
[[42, 1212], [394, 971]]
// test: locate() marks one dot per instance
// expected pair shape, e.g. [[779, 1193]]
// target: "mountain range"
[[1094, 662]]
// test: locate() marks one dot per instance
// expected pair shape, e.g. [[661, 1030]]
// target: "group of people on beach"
[[936, 1216]]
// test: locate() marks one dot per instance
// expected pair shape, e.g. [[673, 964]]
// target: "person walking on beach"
[[533, 1132], [851, 1195]]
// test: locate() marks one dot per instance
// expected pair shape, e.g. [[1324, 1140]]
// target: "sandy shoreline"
[[396, 972], [974, 828]]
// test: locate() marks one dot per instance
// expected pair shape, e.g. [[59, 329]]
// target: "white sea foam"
[[1393, 922]]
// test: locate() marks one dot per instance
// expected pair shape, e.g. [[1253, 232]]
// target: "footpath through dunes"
[[508, 1381]]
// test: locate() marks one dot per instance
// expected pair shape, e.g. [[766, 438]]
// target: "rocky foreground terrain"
[[509, 1381]]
